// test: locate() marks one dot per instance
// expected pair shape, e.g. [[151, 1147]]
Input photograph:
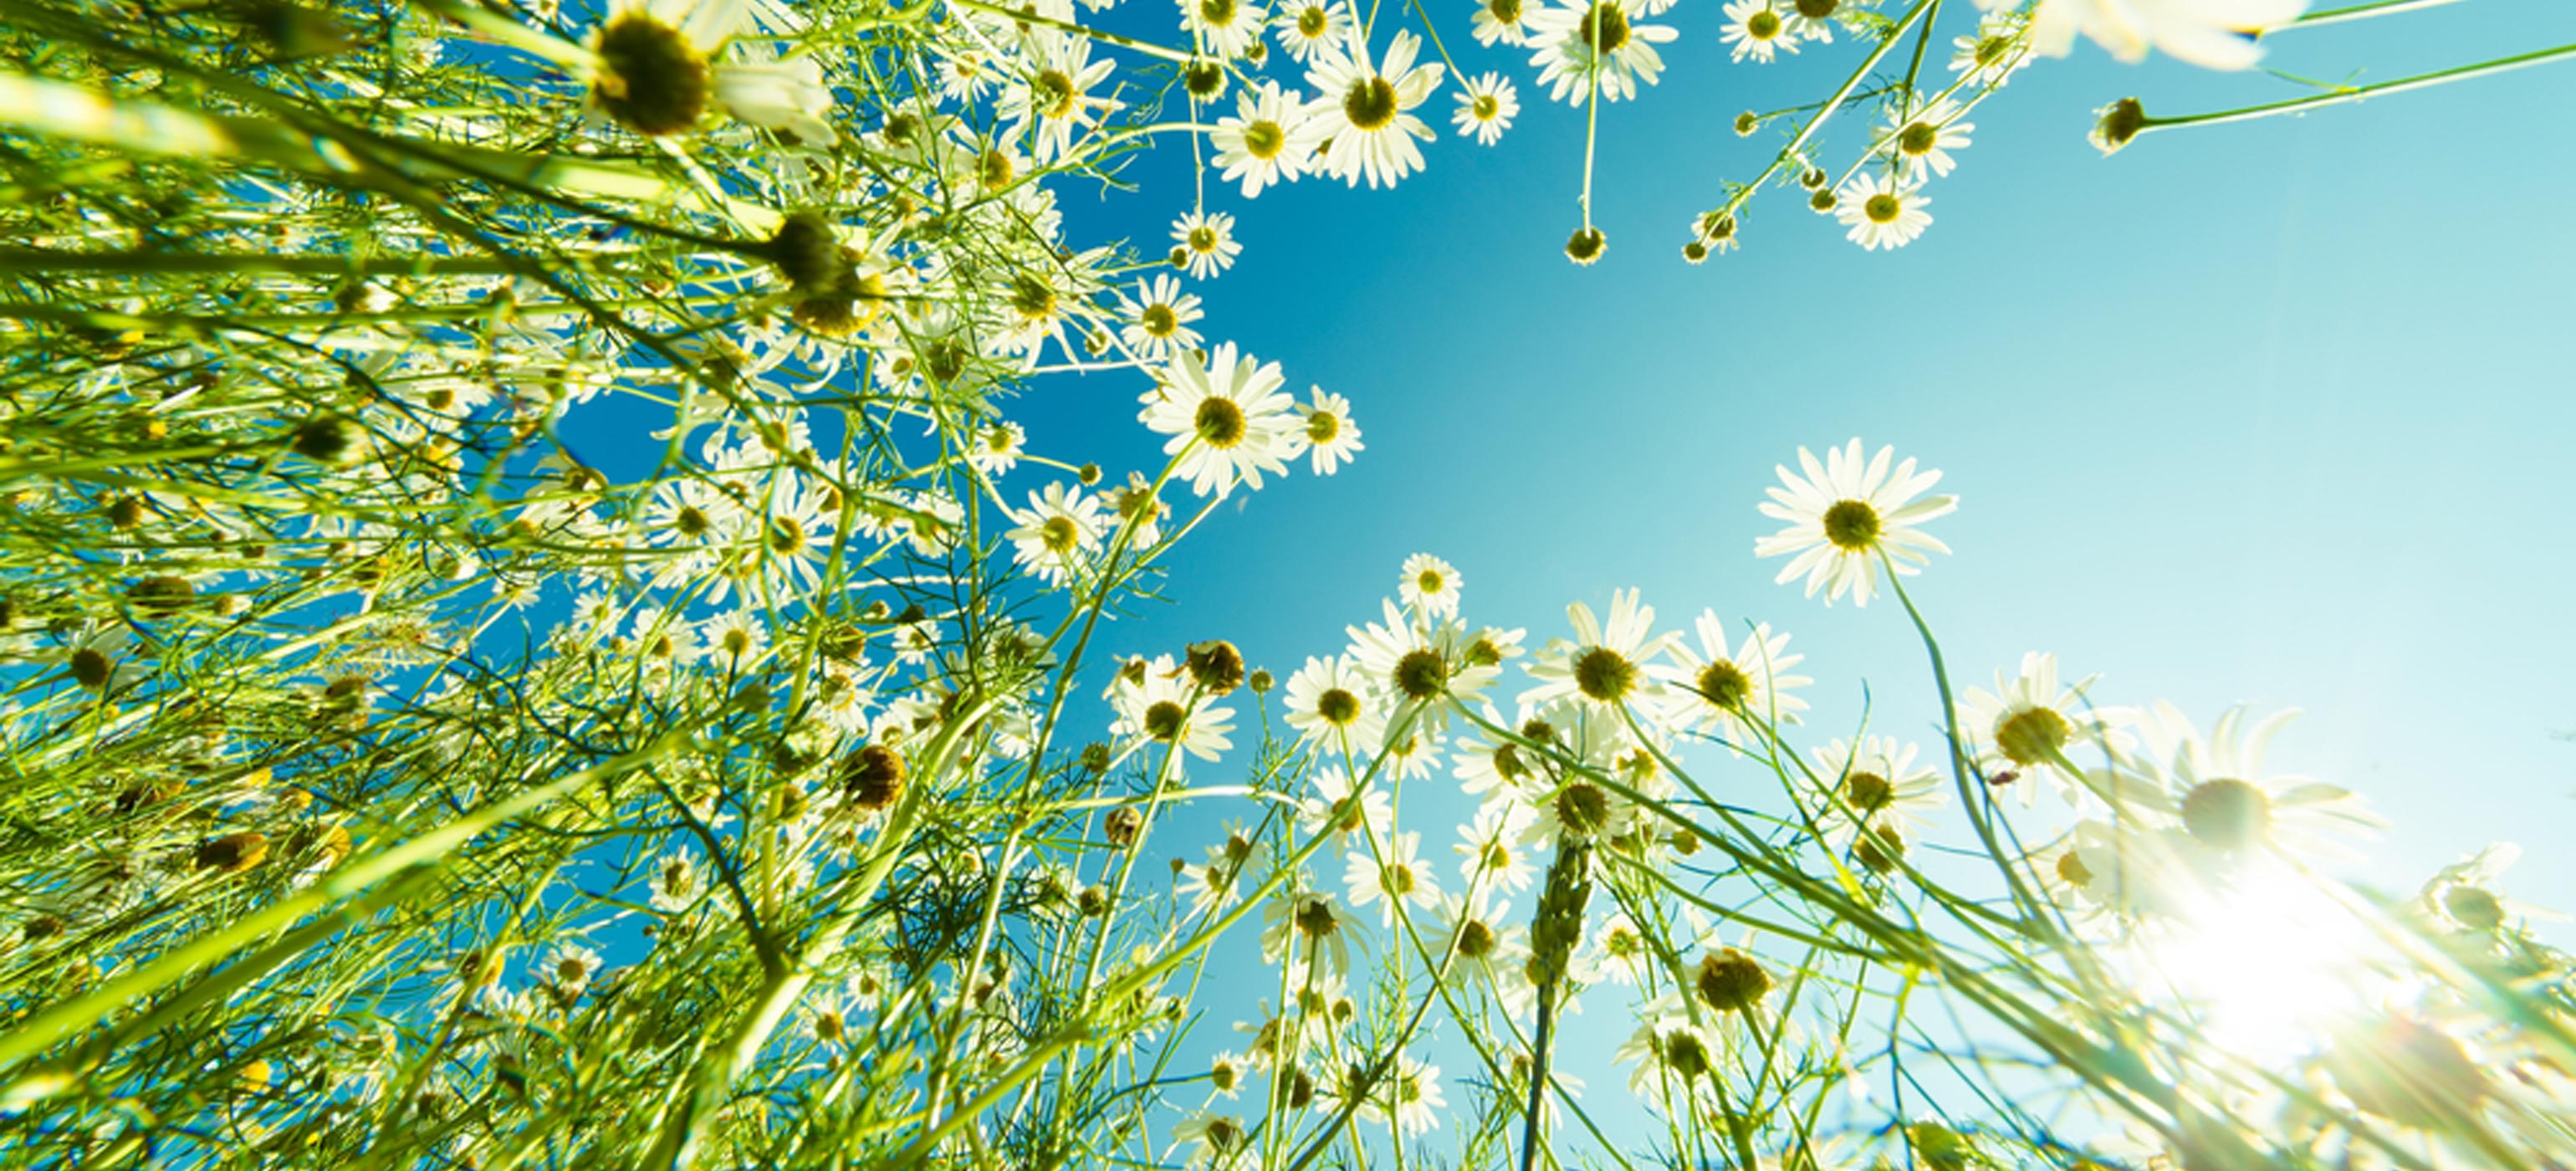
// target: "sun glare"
[[2269, 965]]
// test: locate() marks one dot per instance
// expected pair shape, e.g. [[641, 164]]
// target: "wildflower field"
[[611, 586]]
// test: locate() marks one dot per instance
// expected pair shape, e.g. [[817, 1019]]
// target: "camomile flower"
[[1588, 45], [1423, 667], [1725, 692], [1813, 20], [1226, 1073], [569, 966], [1332, 700], [1479, 939], [1216, 1140], [1605, 664], [649, 69], [1227, 419], [964, 74], [738, 636], [1998, 49], [2029, 723], [1844, 515], [1313, 925], [1506, 21], [1308, 27], [1882, 211], [1055, 98], [1158, 319], [2229, 808], [1921, 135], [1270, 138], [997, 446], [1758, 29], [2468, 895], [1367, 109], [1140, 511], [1430, 585], [2213, 34], [676, 884], [1671, 1058], [1206, 244], [1409, 1093], [1486, 108], [1505, 764], [1875, 785], [1224, 28], [1328, 436], [1057, 533], [1396, 878], [787, 96], [1491, 857], [1164, 707], [2104, 872], [1331, 810]]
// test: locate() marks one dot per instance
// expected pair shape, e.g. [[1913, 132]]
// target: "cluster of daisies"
[[2175, 820]]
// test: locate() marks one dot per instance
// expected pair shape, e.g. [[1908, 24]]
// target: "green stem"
[[2358, 93]]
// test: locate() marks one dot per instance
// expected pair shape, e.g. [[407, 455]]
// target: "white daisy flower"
[[2213, 34], [1396, 876], [1313, 925], [1409, 1094], [1672, 1061], [1206, 244], [1882, 211], [676, 884], [1162, 706], [1605, 665], [2229, 808], [1921, 135], [1506, 21], [1480, 939], [997, 447], [1424, 668], [1486, 108], [1225, 28], [1055, 98], [570, 966], [1157, 321], [1489, 847], [1328, 436], [1998, 49], [786, 96], [1270, 138], [1585, 45], [1226, 417], [1307, 27], [1057, 533], [1725, 693], [1332, 700], [1844, 514], [1874, 785], [1503, 764], [1758, 29], [1812, 20], [2029, 723], [1367, 109], [1430, 585], [1331, 810], [1216, 1140]]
